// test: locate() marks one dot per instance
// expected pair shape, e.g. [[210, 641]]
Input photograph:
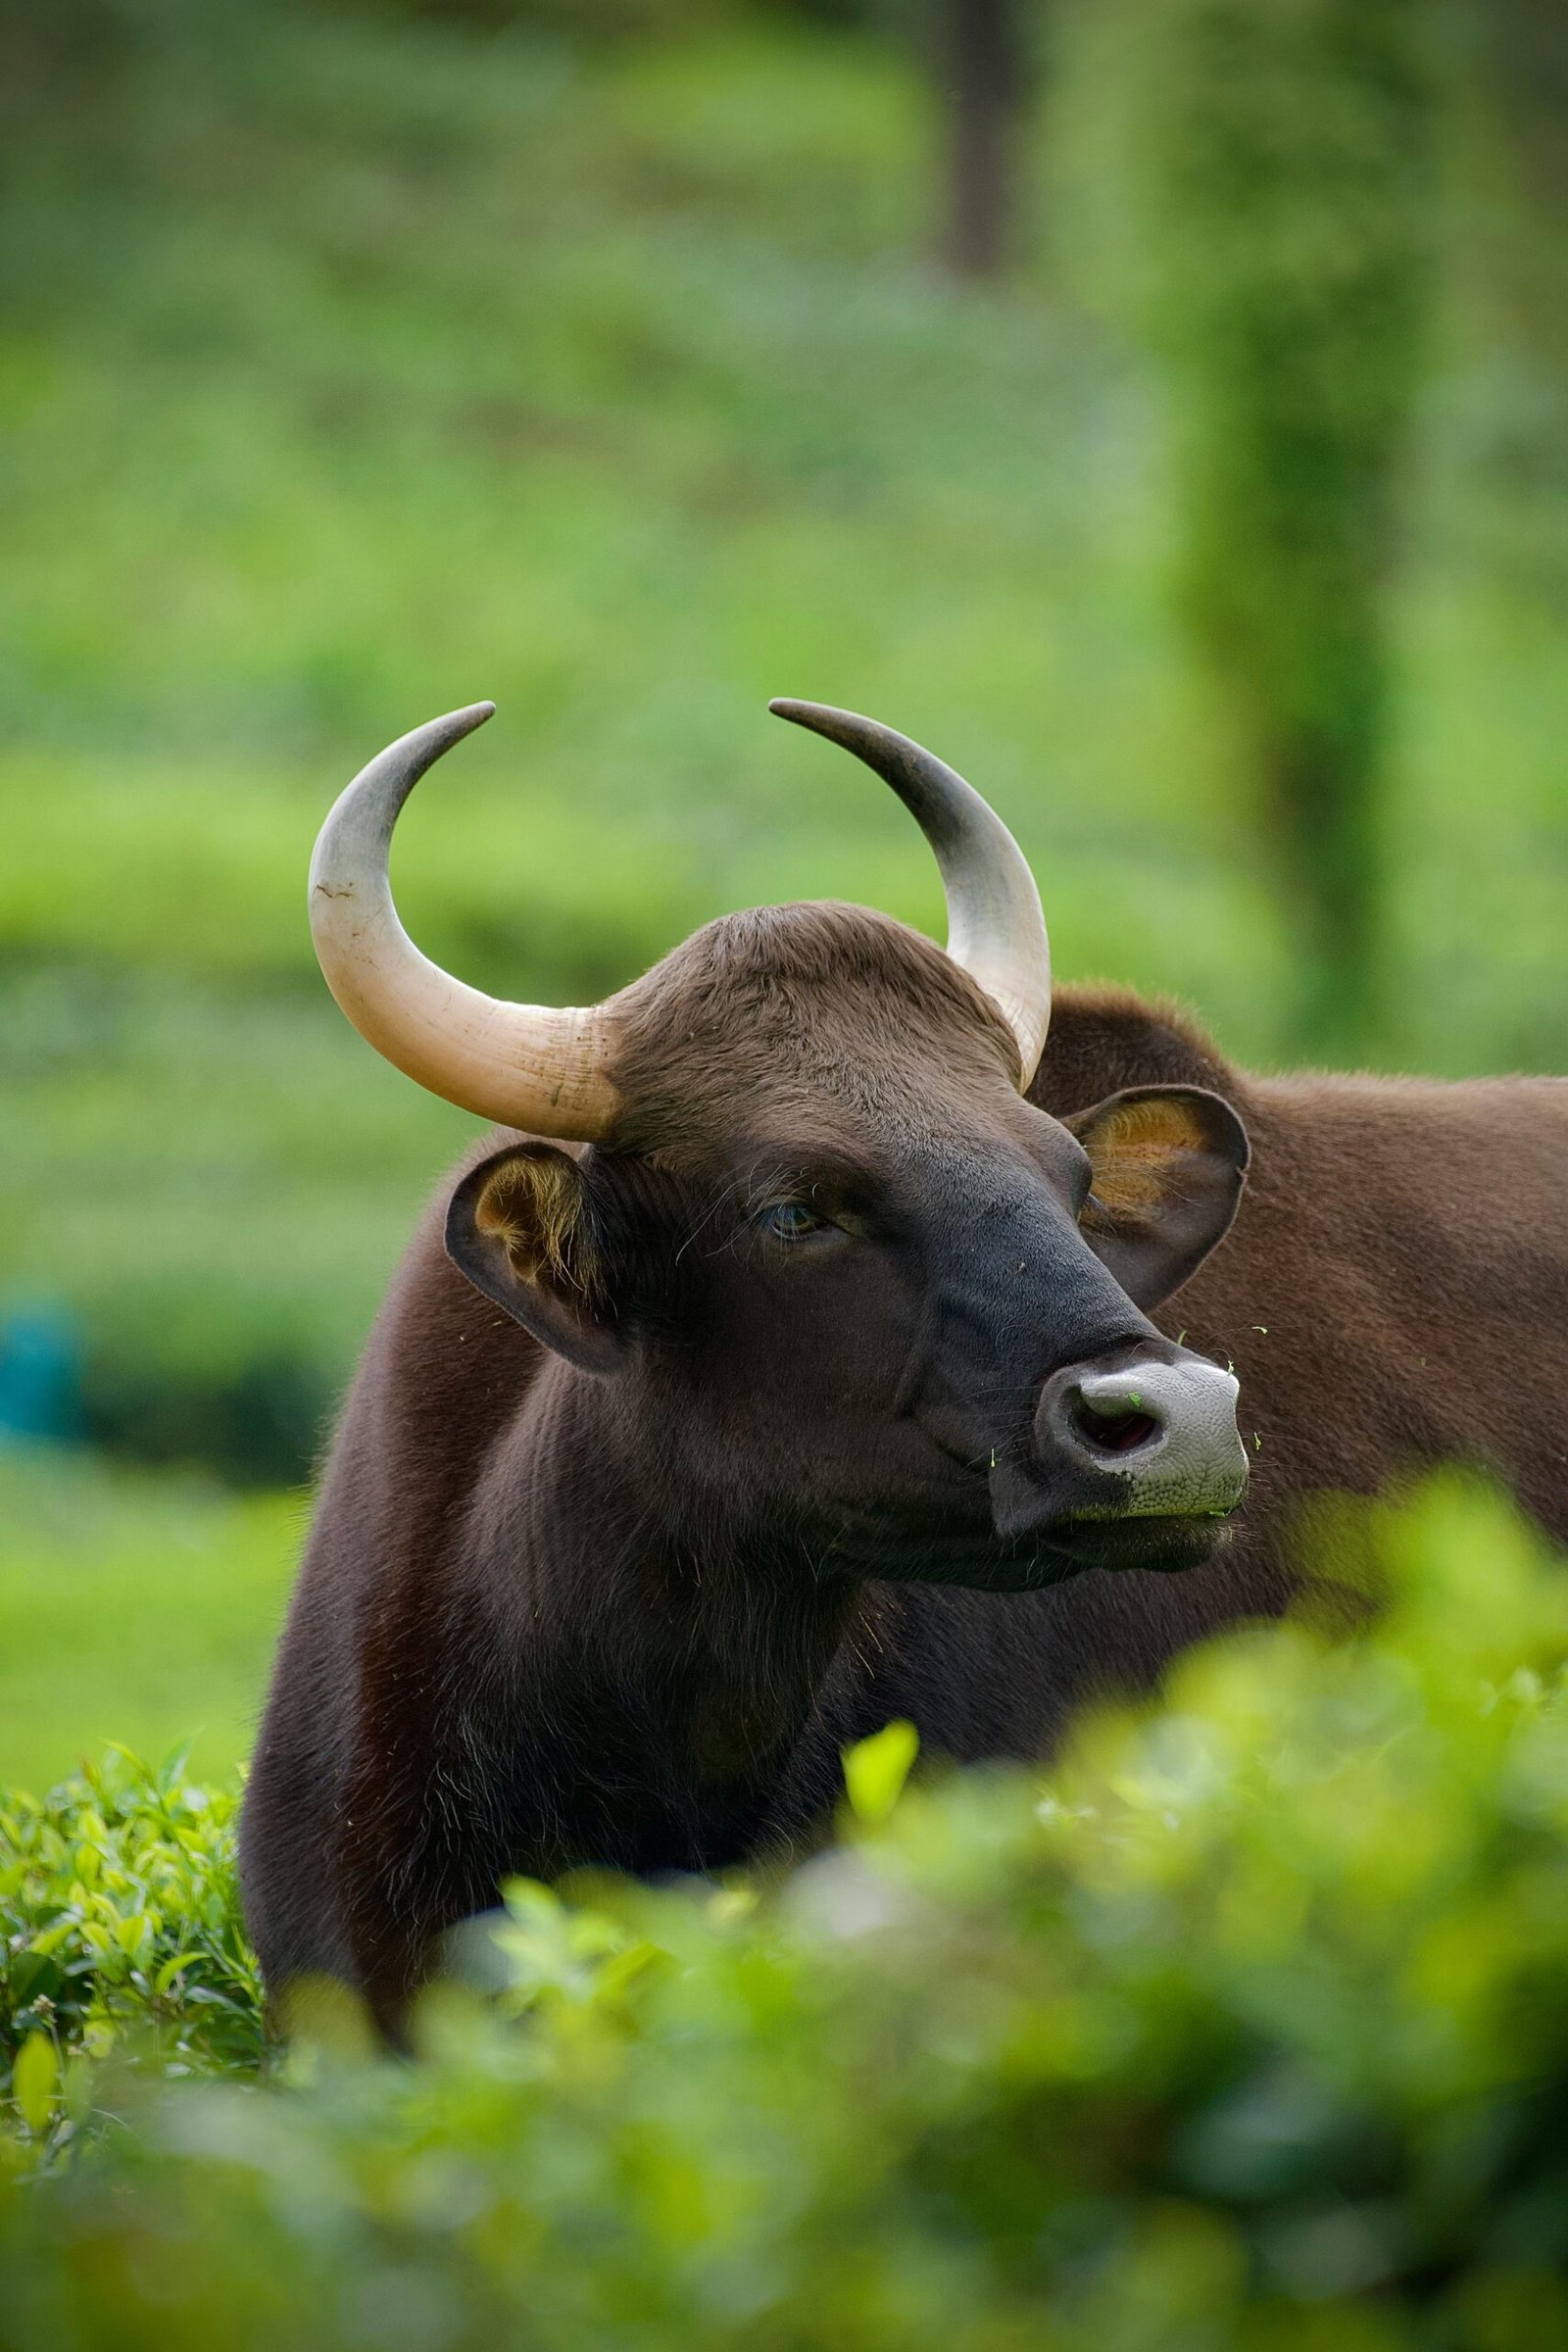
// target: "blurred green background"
[[1155, 405]]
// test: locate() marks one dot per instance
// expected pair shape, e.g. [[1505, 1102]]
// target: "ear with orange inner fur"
[[1169, 1162], [522, 1227]]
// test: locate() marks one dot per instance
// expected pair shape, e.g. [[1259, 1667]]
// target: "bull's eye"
[[791, 1220]]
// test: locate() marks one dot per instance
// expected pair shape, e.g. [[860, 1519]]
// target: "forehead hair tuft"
[[786, 1004]]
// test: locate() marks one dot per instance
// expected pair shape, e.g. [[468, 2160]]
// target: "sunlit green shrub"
[[1249, 2027], [120, 1917]]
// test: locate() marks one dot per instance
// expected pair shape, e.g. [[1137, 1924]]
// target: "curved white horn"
[[996, 926], [541, 1068]]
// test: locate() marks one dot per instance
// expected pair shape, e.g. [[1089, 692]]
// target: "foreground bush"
[[120, 1917], [1249, 2028]]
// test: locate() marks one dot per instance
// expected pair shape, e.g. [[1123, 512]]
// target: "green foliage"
[[118, 1921], [1247, 2029]]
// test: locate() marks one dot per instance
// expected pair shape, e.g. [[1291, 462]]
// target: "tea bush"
[[119, 1913], [1247, 2029]]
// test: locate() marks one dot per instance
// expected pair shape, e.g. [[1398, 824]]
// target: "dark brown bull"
[[819, 1387]]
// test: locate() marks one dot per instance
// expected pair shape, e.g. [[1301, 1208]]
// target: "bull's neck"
[[675, 1655]]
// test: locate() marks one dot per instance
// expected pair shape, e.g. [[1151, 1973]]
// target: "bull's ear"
[[1168, 1167], [522, 1226]]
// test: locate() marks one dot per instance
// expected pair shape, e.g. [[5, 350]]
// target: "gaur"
[[807, 1351]]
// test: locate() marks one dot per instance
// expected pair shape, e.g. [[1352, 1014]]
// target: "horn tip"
[[451, 727], [821, 717]]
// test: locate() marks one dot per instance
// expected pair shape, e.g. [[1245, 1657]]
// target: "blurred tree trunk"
[[1282, 150], [981, 67], [1528, 43], [1525, 47]]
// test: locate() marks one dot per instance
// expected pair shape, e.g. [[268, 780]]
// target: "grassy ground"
[[351, 370], [134, 1609]]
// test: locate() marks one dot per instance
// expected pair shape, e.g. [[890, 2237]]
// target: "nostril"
[[1141, 1439], [1117, 1426]]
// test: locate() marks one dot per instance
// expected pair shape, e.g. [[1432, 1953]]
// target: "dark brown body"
[[487, 1671]]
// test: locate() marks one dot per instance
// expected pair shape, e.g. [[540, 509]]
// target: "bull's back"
[[1394, 1291]]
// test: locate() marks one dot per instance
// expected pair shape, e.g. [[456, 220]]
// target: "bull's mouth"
[[983, 1561], [1165, 1544]]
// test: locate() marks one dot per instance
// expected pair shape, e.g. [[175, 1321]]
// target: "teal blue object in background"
[[40, 1375]]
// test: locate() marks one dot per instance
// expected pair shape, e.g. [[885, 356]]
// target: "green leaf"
[[619, 1974], [877, 1769], [54, 1936], [33, 2082], [33, 1972]]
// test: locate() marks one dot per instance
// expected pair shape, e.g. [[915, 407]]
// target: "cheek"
[[816, 1349]]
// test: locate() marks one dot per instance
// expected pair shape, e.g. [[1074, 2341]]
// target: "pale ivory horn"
[[538, 1067]]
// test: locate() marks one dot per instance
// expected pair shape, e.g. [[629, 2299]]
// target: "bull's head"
[[848, 1283]]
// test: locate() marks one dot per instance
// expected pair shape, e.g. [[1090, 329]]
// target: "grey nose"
[[1146, 1439]]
